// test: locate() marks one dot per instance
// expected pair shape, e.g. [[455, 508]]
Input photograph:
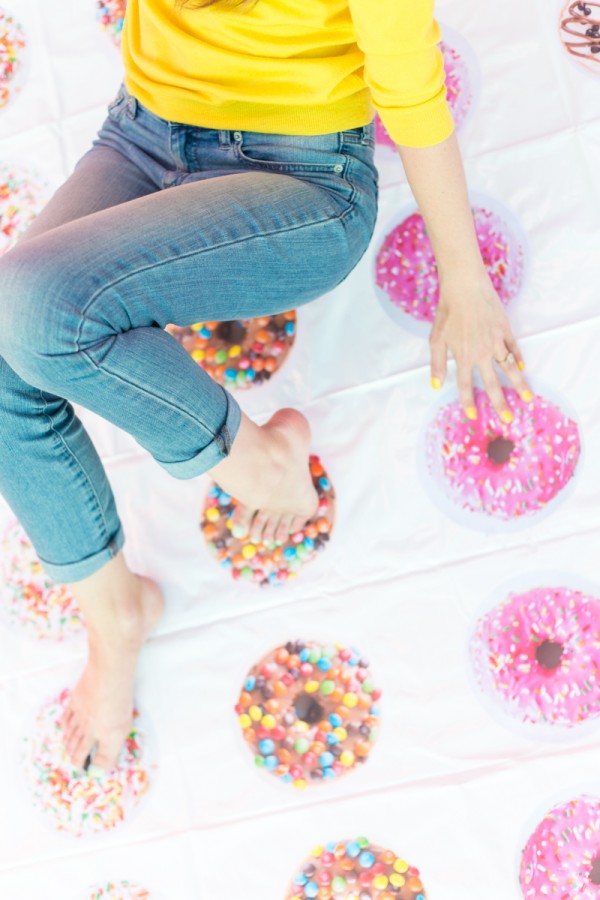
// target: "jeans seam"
[[199, 251], [78, 462]]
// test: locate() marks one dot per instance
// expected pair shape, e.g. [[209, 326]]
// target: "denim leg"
[[50, 472], [84, 306]]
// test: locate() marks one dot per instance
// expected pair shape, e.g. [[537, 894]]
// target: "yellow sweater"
[[291, 66]]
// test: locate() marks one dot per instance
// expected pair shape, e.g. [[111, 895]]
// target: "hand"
[[471, 323]]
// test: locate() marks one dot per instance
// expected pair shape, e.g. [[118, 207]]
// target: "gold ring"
[[509, 358]]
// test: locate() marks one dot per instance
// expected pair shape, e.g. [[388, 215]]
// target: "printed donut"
[[21, 199], [239, 353], [356, 870], [562, 857], [580, 33], [309, 712], [111, 15], [13, 44], [75, 801], [122, 890], [505, 471], [538, 654], [406, 269], [272, 563], [459, 93], [34, 601]]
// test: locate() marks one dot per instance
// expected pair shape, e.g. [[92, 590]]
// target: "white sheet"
[[448, 786]]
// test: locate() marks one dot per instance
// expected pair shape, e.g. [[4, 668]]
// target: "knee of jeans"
[[36, 323]]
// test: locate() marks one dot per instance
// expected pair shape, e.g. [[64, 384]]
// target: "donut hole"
[[548, 655], [308, 709], [231, 332], [499, 450], [595, 871]]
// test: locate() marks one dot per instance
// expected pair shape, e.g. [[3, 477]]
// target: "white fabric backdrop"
[[447, 786]]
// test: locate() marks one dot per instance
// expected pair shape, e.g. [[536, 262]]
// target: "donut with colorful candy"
[[309, 712]]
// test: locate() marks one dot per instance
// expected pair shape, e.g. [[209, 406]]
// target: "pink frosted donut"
[[458, 93], [12, 46], [561, 859], [539, 653], [406, 269], [580, 33], [502, 470], [111, 14]]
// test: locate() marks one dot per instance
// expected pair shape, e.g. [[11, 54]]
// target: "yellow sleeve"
[[404, 68]]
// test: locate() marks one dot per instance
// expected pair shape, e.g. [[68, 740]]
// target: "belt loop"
[[132, 107]]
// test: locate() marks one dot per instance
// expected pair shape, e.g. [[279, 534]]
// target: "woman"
[[232, 178]]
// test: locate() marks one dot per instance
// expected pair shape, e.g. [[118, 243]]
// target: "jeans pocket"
[[289, 153]]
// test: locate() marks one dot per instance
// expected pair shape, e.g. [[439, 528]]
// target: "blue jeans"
[[159, 223]]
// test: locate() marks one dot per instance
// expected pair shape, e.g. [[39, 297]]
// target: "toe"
[[79, 750], [270, 529], [241, 520], [283, 529], [257, 527], [298, 523]]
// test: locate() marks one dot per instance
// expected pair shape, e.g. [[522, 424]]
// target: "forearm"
[[437, 180]]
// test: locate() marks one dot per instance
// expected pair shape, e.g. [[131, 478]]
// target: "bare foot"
[[100, 709], [267, 471]]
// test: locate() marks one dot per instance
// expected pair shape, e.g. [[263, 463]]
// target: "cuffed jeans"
[[159, 223]]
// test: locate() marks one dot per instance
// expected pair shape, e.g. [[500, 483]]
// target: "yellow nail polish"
[[436, 384], [471, 412], [521, 365], [527, 396], [506, 416]]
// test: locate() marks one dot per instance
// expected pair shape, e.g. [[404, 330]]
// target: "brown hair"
[[200, 4]]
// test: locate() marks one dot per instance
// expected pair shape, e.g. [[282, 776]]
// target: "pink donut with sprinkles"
[[75, 801], [506, 471], [13, 43], [458, 93], [406, 270], [34, 601], [111, 15], [122, 890], [561, 859], [538, 653]]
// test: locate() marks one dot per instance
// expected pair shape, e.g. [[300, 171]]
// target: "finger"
[[511, 369], [464, 381], [439, 360], [494, 391], [513, 348]]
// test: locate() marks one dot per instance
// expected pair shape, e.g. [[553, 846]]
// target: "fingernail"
[[521, 365], [471, 412], [527, 396], [506, 416], [436, 384]]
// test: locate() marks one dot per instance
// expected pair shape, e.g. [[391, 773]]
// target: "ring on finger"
[[509, 358]]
